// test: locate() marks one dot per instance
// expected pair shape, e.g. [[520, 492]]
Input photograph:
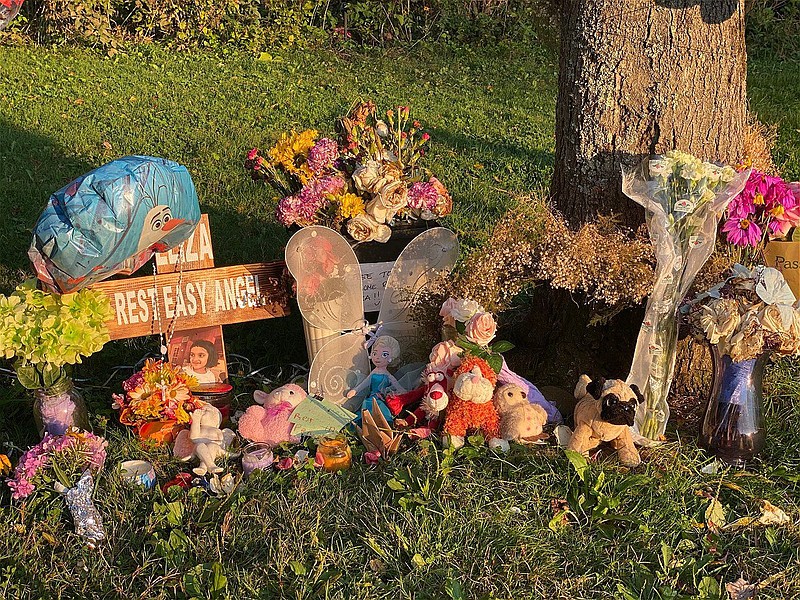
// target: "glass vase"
[[58, 408], [733, 425]]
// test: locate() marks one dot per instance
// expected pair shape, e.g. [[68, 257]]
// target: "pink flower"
[[481, 328], [287, 462], [319, 460], [372, 458], [742, 232], [322, 155], [252, 154], [422, 196], [741, 207], [426, 136]]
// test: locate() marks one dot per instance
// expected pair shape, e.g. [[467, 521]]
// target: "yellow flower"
[[5, 465], [758, 200], [291, 151], [350, 205]]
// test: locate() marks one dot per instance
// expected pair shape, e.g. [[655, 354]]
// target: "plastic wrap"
[[683, 205]]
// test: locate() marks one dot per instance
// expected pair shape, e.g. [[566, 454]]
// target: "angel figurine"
[[384, 350]]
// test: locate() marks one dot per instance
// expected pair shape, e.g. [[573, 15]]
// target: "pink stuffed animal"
[[269, 424]]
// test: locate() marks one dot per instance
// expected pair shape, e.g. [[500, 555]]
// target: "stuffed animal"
[[470, 408], [204, 440], [269, 424], [431, 397], [520, 421], [605, 413]]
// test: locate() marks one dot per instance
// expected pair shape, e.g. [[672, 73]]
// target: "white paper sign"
[[373, 278]]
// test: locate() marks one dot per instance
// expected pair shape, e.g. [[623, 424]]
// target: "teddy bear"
[[604, 413], [470, 408], [204, 440], [269, 424], [520, 421]]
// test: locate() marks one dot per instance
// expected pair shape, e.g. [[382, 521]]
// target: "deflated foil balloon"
[[88, 520], [112, 220], [8, 10]]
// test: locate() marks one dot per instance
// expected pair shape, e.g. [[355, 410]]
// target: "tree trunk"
[[642, 77]]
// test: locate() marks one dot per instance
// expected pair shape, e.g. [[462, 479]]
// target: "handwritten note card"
[[373, 278]]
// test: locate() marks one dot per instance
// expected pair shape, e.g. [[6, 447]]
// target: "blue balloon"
[[112, 220]]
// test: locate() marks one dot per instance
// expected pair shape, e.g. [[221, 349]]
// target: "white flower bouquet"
[[684, 199]]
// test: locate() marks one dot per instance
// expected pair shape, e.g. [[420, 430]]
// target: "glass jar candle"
[[335, 452], [256, 456], [218, 395]]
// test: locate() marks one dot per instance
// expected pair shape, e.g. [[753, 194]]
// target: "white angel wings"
[[329, 294]]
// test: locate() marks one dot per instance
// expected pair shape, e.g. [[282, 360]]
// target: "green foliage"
[[256, 23], [772, 28], [45, 331]]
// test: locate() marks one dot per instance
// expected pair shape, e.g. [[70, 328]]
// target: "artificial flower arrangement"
[[57, 458], [362, 184], [473, 329], [45, 332], [64, 464], [751, 312], [683, 198], [157, 401]]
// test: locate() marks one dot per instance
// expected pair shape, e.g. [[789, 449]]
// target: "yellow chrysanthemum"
[[350, 205], [5, 465], [291, 150]]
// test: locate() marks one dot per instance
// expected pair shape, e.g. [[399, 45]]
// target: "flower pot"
[[58, 408], [733, 425], [159, 432]]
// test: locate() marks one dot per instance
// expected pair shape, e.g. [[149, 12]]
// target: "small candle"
[[335, 452], [256, 456]]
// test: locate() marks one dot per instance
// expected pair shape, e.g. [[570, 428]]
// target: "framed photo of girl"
[[201, 353]]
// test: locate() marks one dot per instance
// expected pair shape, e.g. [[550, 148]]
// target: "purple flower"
[[304, 206], [322, 155], [422, 196], [742, 232]]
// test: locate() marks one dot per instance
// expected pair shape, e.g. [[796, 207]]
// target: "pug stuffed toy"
[[605, 413]]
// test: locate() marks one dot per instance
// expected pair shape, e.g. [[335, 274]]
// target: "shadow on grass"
[[495, 149], [32, 167]]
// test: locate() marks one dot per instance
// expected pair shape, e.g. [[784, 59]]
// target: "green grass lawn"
[[426, 525]]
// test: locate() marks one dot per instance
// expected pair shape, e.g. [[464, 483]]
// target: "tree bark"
[[642, 77]]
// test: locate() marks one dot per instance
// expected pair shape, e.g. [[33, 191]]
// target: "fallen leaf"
[[107, 145], [740, 523], [772, 515], [715, 515], [78, 101], [741, 589]]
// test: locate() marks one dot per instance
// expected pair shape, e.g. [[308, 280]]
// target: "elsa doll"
[[383, 352]]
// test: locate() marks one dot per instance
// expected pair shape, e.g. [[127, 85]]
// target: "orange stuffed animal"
[[470, 408]]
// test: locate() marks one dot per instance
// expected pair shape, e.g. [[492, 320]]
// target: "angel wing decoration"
[[329, 294]]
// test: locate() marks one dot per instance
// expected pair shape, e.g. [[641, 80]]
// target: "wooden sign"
[[199, 351], [197, 251], [192, 299]]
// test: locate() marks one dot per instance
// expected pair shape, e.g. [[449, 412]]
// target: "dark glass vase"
[[733, 425]]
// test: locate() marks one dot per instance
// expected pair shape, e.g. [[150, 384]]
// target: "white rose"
[[463, 310], [365, 176], [446, 312], [363, 228], [388, 200]]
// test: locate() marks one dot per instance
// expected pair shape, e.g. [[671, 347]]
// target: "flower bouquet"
[[362, 185], [158, 401], [683, 198], [64, 464], [745, 318], [766, 209], [46, 333]]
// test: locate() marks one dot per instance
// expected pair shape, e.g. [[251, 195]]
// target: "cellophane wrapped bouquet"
[[362, 184], [684, 199]]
